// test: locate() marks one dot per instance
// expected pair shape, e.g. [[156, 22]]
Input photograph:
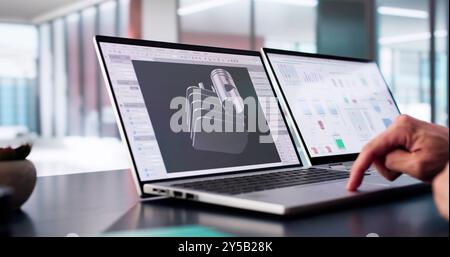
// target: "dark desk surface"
[[90, 204]]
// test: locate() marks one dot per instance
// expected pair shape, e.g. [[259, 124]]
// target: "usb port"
[[177, 194], [190, 196]]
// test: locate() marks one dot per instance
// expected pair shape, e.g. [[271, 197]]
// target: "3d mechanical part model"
[[199, 99], [226, 89]]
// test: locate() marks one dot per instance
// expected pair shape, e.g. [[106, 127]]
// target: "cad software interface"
[[189, 112], [338, 105]]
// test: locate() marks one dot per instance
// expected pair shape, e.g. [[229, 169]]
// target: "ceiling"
[[26, 10]]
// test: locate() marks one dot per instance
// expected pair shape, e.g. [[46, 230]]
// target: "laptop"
[[204, 124], [336, 104]]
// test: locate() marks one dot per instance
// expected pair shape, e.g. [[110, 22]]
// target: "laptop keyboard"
[[261, 182]]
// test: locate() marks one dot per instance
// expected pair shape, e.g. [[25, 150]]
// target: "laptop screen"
[[186, 111], [338, 105]]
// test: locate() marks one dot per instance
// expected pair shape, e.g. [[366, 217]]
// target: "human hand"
[[440, 192], [410, 146]]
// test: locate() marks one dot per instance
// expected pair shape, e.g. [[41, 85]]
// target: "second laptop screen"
[[338, 105]]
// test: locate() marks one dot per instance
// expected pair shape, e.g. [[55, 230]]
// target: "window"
[[75, 99], [108, 27], [76, 102], [89, 72], [442, 62], [249, 24], [18, 54], [123, 16], [287, 25], [217, 23], [404, 54], [59, 77]]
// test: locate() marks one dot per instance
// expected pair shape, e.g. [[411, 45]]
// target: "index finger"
[[390, 139]]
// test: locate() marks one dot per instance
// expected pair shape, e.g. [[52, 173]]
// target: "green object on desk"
[[181, 231]]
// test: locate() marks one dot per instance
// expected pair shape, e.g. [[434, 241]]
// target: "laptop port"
[[177, 194], [190, 196]]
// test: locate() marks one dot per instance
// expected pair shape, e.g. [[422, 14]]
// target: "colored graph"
[[321, 125], [288, 72], [357, 120], [340, 143], [387, 122], [312, 77], [305, 108], [333, 109], [319, 109], [364, 82]]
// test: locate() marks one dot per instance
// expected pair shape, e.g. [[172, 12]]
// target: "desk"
[[90, 204]]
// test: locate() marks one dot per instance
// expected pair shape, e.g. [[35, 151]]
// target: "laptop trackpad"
[[312, 194]]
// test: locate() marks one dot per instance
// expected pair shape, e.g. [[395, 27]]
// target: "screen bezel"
[[322, 159], [137, 42]]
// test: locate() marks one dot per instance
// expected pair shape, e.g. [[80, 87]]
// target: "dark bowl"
[[14, 154], [17, 173], [20, 177]]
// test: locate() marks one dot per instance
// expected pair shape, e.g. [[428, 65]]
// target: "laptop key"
[[261, 182]]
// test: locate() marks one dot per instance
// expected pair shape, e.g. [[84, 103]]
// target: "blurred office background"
[[51, 90]]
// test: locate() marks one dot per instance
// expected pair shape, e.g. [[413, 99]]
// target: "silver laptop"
[[203, 124]]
